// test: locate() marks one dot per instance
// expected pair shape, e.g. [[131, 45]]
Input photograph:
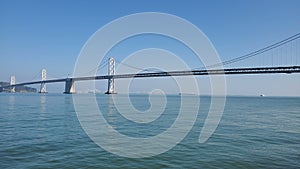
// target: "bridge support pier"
[[12, 82], [70, 86], [43, 85], [111, 81]]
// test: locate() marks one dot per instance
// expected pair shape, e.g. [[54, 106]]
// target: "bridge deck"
[[234, 71]]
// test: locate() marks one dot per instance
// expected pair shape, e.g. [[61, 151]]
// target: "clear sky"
[[50, 34]]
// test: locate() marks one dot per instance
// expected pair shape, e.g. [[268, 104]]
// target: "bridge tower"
[[111, 81], [12, 82], [70, 86], [43, 84]]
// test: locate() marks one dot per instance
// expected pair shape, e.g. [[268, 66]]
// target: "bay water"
[[43, 131]]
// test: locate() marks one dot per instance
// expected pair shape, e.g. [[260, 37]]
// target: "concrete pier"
[[69, 86]]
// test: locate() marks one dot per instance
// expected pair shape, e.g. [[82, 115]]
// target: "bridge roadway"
[[233, 71]]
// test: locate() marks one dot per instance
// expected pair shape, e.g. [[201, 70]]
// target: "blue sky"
[[36, 34]]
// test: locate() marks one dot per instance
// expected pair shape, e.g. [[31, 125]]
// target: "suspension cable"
[[257, 52]]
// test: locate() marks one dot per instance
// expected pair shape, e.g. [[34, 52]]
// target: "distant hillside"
[[22, 89]]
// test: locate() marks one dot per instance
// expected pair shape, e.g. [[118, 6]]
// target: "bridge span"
[[285, 52], [69, 87]]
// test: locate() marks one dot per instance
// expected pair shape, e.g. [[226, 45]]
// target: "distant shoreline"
[[168, 94], [18, 89]]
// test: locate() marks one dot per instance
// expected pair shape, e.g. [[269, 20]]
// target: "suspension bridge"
[[281, 57]]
